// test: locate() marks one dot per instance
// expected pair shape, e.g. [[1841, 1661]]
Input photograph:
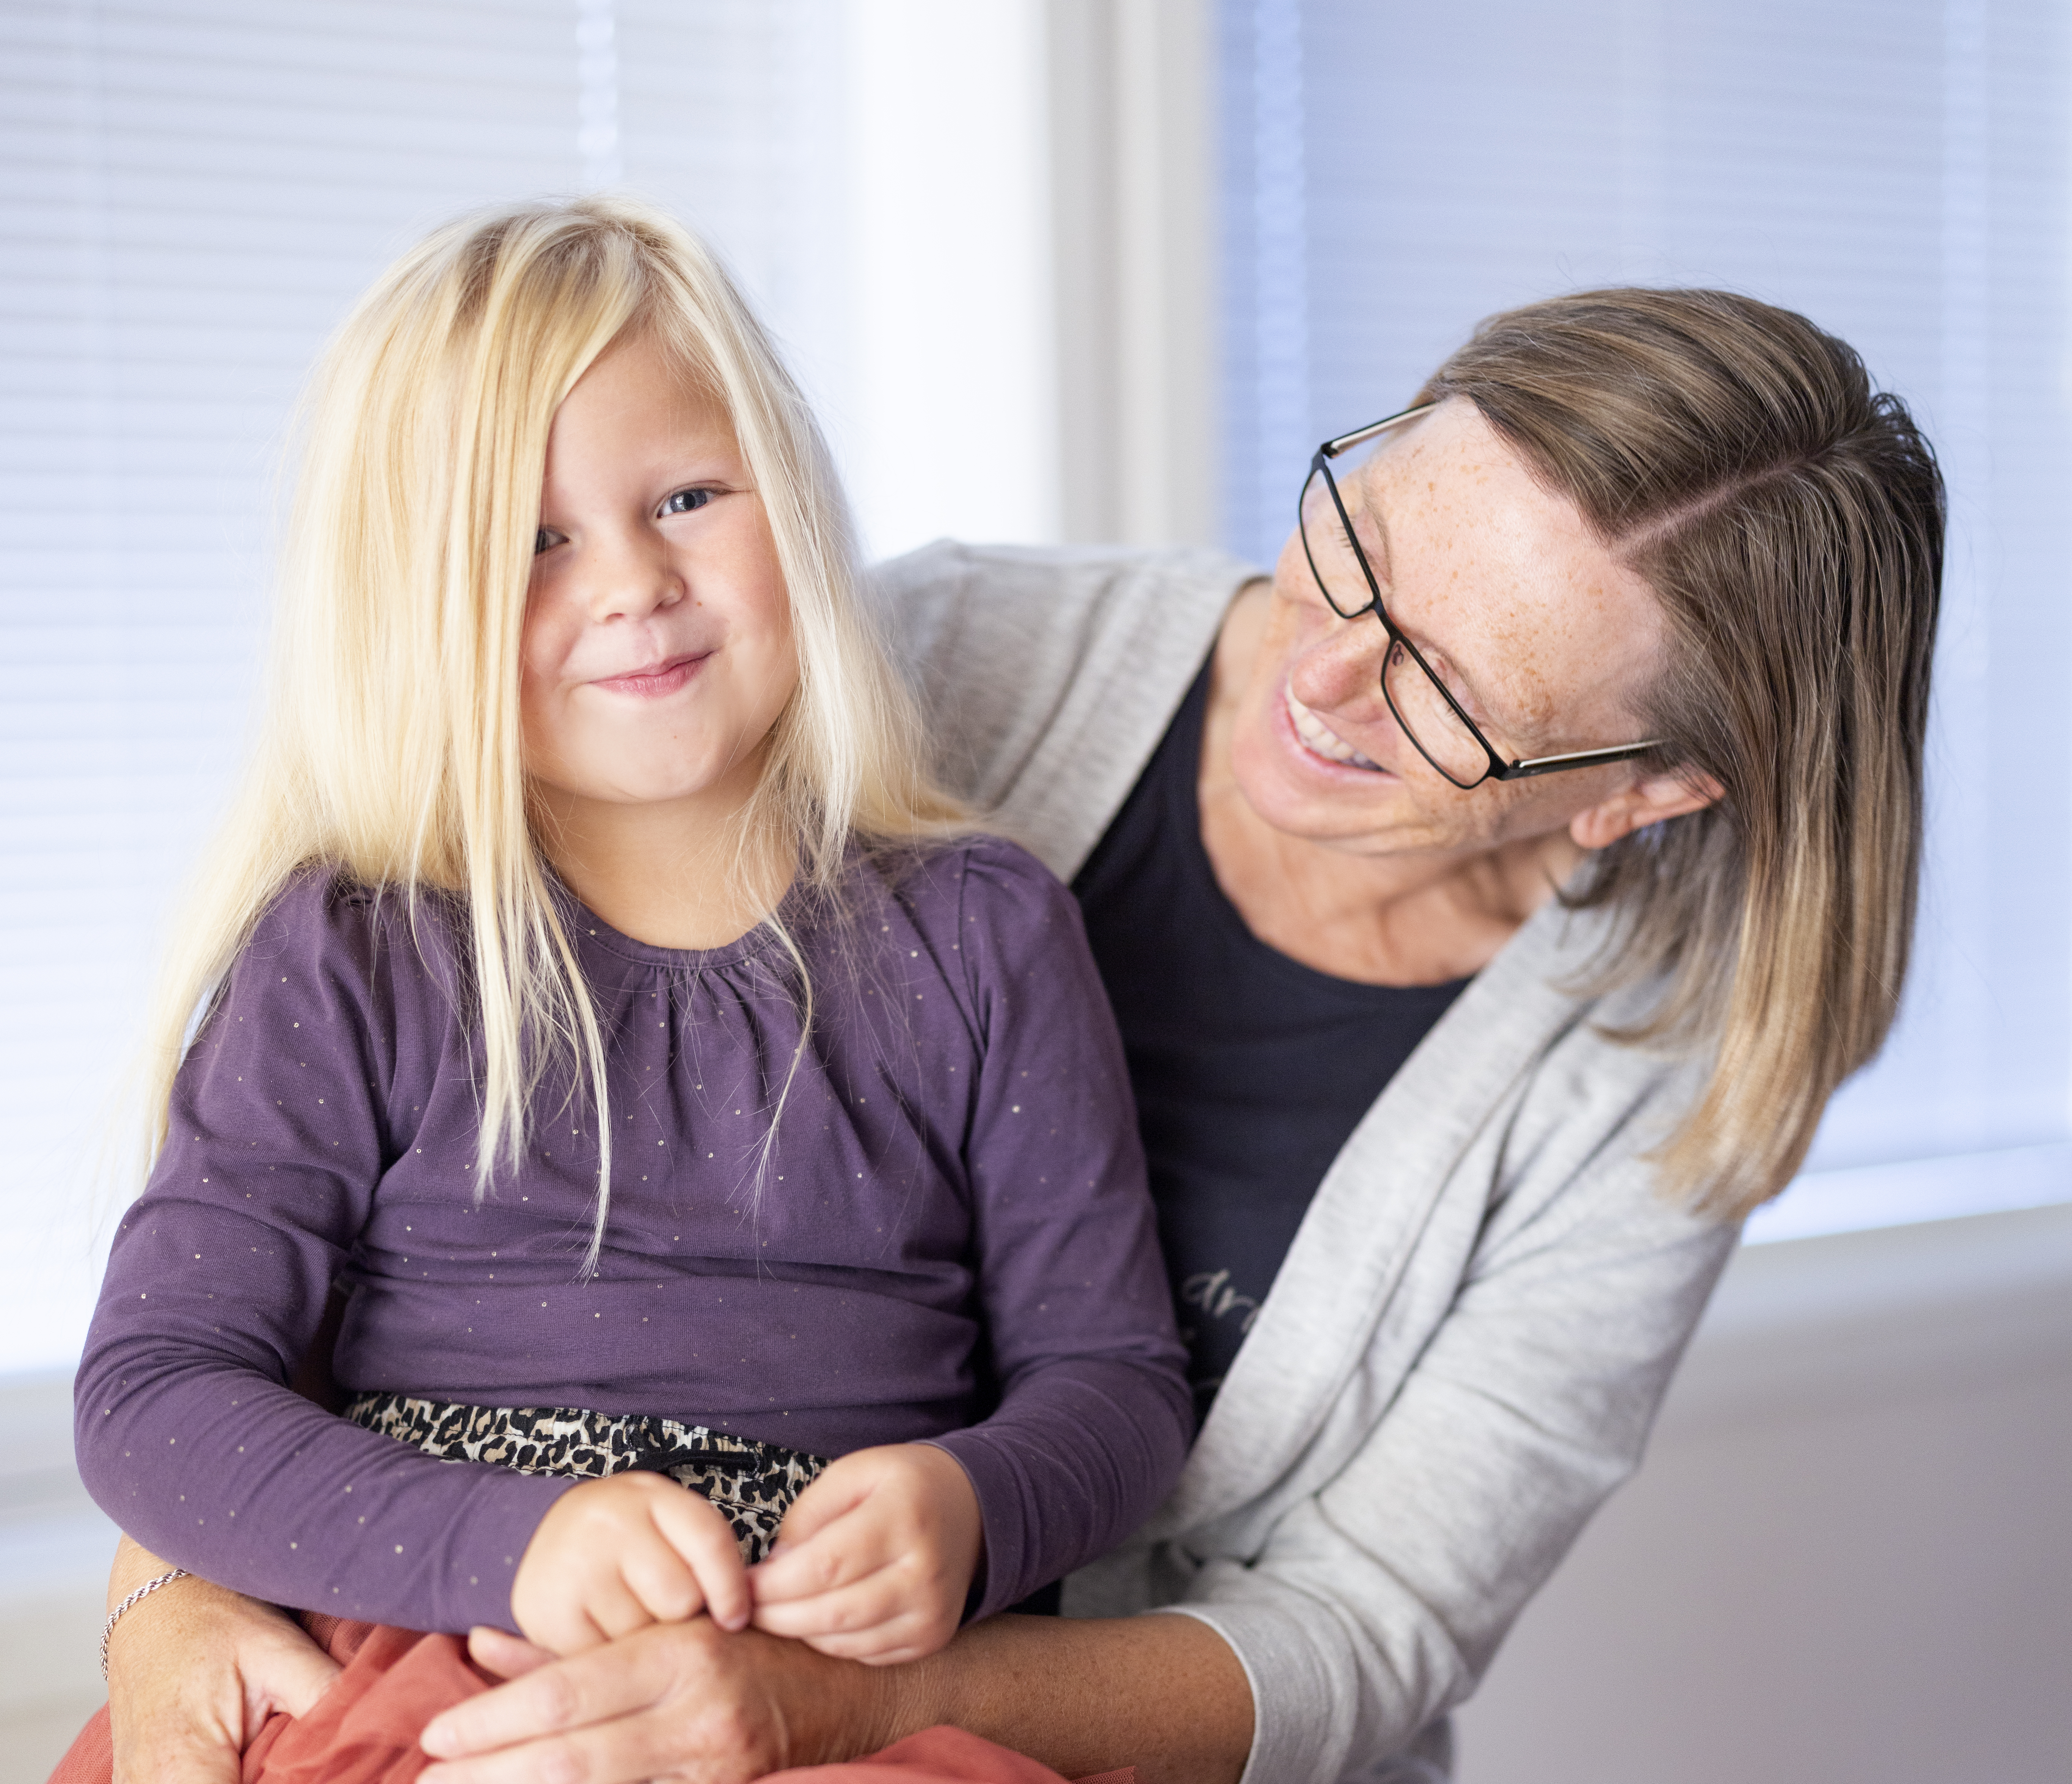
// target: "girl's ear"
[[1646, 802]]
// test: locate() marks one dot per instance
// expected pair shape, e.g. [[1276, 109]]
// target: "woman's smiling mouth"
[[655, 682], [1320, 739]]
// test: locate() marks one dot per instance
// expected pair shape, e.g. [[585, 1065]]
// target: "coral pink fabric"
[[938, 1756], [91, 1758], [363, 1729]]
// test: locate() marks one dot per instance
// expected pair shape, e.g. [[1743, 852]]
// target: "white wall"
[[55, 1548], [1848, 1558], [953, 346]]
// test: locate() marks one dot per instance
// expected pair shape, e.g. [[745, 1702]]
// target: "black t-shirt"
[[1251, 1070]]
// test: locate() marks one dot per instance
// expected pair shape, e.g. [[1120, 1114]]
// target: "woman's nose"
[[1341, 670]]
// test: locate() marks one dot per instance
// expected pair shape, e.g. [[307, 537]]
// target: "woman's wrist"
[[829, 1711], [194, 1669], [133, 1566], [1165, 1694], [157, 1582], [166, 1623], [875, 1707]]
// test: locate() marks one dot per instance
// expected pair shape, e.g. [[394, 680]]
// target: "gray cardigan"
[[1462, 1354]]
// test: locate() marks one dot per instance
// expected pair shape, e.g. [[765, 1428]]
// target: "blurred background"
[[1107, 270]]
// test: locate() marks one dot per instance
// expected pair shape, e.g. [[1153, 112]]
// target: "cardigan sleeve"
[[1378, 1600]]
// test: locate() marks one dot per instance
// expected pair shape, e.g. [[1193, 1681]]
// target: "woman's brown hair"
[[1790, 519]]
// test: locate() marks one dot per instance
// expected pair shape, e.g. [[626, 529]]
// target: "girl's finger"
[[607, 1610], [839, 1489], [704, 1541], [866, 1603], [661, 1578], [558, 1627], [851, 1547], [614, 1611], [506, 1655]]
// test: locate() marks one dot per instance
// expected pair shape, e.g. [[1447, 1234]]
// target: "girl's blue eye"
[[687, 501], [540, 540]]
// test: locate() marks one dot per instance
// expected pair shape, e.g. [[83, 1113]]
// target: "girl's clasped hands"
[[873, 1562]]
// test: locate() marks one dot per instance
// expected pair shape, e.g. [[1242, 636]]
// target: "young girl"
[[605, 1002]]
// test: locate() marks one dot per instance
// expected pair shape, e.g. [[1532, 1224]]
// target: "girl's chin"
[[604, 785]]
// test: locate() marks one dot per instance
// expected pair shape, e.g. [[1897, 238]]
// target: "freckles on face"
[[658, 650], [1544, 638], [1551, 638]]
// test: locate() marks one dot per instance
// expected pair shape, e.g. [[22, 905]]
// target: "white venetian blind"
[[1895, 169], [192, 192], [190, 198]]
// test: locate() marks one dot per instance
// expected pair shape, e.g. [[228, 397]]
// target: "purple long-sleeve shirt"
[[951, 1243]]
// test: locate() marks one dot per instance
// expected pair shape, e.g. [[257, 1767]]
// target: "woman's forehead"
[[1451, 481], [1502, 573]]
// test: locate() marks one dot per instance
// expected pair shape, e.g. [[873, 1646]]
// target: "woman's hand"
[[689, 1703], [673, 1701], [194, 1670]]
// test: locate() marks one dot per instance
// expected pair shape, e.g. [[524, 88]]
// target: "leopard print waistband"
[[751, 1485]]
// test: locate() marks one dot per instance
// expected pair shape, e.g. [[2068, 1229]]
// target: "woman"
[[1491, 902]]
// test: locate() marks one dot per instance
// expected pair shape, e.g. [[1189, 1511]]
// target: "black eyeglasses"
[[1431, 717]]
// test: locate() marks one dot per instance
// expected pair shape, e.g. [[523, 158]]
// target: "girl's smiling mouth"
[[1320, 739], [656, 681]]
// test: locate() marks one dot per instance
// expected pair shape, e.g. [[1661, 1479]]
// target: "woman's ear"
[[1645, 802]]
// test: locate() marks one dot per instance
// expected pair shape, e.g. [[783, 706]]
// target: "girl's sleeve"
[[1094, 1415], [187, 1434]]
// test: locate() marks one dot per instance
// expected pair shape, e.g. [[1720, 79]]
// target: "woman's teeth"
[[1319, 737]]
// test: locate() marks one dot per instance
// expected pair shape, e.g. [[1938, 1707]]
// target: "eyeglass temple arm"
[[1525, 769], [1345, 442]]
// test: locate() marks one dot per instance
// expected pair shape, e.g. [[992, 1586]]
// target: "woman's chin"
[[1273, 751], [1292, 789]]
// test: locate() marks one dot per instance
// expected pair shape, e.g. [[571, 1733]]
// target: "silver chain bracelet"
[[136, 1598]]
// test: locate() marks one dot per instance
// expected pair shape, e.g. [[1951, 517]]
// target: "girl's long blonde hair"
[[390, 750]]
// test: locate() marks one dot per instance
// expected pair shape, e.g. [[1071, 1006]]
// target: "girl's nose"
[[631, 576]]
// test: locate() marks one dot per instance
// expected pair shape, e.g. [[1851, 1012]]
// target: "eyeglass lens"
[[1429, 721], [1426, 717]]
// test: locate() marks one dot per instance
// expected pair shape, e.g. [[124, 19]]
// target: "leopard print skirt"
[[751, 1485]]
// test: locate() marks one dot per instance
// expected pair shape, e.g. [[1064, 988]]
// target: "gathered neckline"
[[593, 931]]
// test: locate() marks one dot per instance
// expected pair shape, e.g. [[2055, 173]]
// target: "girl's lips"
[[1318, 739], [663, 679]]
